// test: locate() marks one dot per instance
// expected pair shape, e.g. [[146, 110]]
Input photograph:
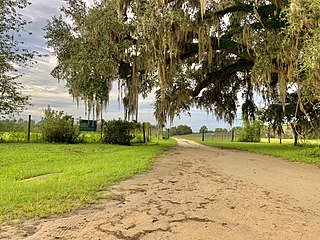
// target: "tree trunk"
[[295, 140], [295, 134], [280, 135]]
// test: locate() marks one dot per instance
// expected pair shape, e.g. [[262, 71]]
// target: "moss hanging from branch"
[[176, 47], [203, 4]]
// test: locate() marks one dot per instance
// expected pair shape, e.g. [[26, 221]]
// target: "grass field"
[[309, 152], [16, 137], [84, 137], [69, 176]]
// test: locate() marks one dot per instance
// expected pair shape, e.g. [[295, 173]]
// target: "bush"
[[58, 127], [118, 132], [250, 132]]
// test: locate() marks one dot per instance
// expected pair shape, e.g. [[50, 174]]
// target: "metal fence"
[[227, 137], [216, 136], [28, 131]]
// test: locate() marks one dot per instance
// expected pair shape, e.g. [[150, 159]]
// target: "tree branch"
[[267, 15], [223, 72], [224, 44], [241, 7]]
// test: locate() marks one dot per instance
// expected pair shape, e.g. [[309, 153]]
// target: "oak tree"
[[12, 55], [202, 53]]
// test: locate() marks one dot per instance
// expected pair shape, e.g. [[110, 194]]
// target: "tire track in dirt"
[[193, 192]]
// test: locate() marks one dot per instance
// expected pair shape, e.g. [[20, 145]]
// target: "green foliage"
[[12, 130], [251, 132], [89, 137], [20, 125], [13, 137], [183, 130], [173, 131], [12, 54], [118, 132], [237, 129], [58, 127], [274, 116], [140, 135], [302, 116], [220, 130], [180, 130], [203, 128], [88, 48], [11, 98], [302, 33], [165, 134], [181, 49]]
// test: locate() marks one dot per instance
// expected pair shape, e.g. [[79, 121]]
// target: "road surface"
[[197, 192]]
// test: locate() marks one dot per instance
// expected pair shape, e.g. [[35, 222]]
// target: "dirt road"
[[197, 192]]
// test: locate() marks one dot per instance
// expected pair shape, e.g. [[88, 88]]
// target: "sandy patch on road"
[[197, 192]]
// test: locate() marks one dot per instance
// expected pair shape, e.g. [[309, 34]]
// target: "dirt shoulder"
[[197, 192]]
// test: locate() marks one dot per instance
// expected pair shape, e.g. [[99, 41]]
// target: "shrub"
[[118, 132], [58, 127], [250, 132]]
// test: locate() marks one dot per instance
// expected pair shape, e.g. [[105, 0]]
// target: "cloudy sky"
[[45, 90]]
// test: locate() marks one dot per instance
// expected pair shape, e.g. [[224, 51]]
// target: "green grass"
[[83, 170], [309, 153], [8, 137], [84, 137]]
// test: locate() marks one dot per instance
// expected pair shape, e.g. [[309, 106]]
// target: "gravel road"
[[197, 192]]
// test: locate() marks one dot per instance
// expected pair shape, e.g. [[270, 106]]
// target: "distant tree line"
[[216, 130], [20, 125], [184, 130], [180, 130]]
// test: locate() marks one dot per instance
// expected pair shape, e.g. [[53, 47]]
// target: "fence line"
[[221, 136], [12, 130]]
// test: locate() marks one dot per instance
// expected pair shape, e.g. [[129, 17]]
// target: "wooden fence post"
[[29, 128], [144, 132], [101, 129], [150, 136]]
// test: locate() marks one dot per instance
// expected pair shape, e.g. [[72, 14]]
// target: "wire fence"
[[216, 136], [234, 137], [12, 130]]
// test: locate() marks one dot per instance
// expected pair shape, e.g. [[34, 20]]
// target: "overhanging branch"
[[223, 72], [223, 44]]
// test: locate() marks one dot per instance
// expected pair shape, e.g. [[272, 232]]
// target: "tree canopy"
[[203, 129], [200, 53], [303, 120], [180, 130], [12, 54]]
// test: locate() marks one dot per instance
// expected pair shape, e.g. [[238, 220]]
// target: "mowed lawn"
[[309, 152], [69, 176]]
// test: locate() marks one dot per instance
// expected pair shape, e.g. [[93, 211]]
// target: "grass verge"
[[309, 153], [67, 176]]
